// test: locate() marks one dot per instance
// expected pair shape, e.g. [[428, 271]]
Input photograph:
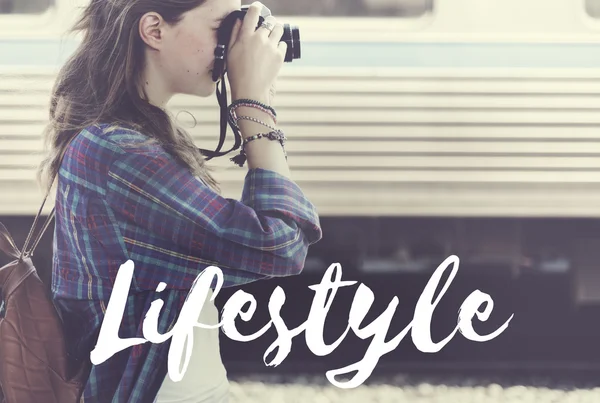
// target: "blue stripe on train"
[[412, 55]]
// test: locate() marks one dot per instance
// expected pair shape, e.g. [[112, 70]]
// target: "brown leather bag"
[[34, 365]]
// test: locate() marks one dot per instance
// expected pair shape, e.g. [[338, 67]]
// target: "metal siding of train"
[[444, 143]]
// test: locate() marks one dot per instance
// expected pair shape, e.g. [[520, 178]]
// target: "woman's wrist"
[[251, 127]]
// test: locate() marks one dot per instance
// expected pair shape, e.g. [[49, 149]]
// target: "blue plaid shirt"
[[119, 199]]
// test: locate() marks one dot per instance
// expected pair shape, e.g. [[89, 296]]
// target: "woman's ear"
[[151, 29]]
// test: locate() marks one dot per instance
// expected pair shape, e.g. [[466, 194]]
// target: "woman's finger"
[[235, 32], [251, 19], [282, 48], [267, 26], [276, 34]]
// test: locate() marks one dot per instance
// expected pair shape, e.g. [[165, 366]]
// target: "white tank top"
[[205, 380]]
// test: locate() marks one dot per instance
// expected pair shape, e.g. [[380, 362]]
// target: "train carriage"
[[418, 127]]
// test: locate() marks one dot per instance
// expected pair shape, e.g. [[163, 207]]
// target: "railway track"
[[447, 386]]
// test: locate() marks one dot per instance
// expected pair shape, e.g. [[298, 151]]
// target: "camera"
[[291, 36]]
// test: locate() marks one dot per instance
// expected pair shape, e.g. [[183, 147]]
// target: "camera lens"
[[291, 36]]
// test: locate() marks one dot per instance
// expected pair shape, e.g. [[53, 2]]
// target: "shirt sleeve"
[[266, 234]]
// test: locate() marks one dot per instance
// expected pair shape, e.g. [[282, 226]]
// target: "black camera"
[[291, 36]]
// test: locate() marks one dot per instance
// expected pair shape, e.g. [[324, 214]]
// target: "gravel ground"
[[416, 389]]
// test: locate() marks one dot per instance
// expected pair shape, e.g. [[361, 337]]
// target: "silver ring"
[[268, 26]]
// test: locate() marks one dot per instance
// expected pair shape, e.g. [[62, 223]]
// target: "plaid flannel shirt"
[[119, 199]]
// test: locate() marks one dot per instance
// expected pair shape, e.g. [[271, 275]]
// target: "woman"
[[132, 186]]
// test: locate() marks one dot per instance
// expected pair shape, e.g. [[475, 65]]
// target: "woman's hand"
[[255, 57]]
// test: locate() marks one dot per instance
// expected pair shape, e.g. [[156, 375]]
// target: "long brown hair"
[[100, 83]]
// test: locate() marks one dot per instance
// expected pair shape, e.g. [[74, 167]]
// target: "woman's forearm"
[[262, 153]]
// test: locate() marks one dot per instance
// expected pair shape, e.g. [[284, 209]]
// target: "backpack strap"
[[27, 251], [8, 245]]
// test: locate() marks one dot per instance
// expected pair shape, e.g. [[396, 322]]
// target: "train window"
[[352, 8], [593, 8], [25, 6]]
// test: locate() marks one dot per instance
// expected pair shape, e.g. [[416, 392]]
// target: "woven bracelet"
[[232, 115], [250, 118], [278, 135], [249, 102]]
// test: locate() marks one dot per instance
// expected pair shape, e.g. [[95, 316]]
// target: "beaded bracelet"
[[233, 121], [232, 116], [233, 110], [253, 120], [274, 135], [252, 103], [278, 135]]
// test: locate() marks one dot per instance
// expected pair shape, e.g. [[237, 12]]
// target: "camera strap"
[[219, 70], [222, 99]]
